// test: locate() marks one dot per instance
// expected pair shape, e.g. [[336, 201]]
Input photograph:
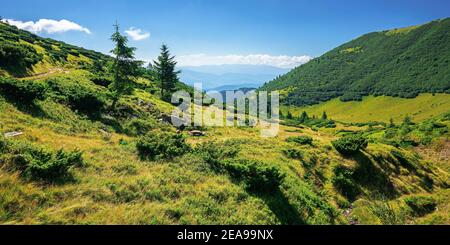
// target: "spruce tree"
[[124, 67], [303, 117], [166, 74], [391, 123], [289, 115]]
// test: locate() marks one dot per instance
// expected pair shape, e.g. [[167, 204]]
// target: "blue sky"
[[229, 29]]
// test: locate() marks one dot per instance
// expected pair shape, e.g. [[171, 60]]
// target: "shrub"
[[17, 55], [303, 139], [343, 181], [39, 164], [421, 205], [138, 126], [293, 153], [20, 90], [213, 152], [155, 145], [79, 97], [101, 81], [350, 144], [49, 166], [257, 176]]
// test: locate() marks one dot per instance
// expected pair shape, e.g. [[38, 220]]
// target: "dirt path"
[[51, 71]]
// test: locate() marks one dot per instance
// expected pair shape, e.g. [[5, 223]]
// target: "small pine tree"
[[407, 121], [166, 74], [289, 115], [324, 116], [124, 67], [303, 117], [391, 123]]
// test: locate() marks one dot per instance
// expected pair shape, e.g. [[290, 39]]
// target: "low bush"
[[156, 145], [38, 164], [16, 55], [257, 176], [350, 144], [79, 97], [303, 139], [293, 153], [103, 81], [137, 126], [20, 90], [421, 205], [213, 152]]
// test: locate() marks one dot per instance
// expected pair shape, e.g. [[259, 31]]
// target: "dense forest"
[[401, 63]]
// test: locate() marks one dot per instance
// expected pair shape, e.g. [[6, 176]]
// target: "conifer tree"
[[303, 117], [166, 74], [324, 116], [124, 67], [289, 115], [391, 123]]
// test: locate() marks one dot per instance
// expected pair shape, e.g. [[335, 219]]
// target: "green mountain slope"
[[23, 53], [402, 62]]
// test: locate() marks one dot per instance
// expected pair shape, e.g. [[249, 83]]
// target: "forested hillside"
[[401, 62]]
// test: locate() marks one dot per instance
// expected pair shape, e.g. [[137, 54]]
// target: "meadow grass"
[[380, 108]]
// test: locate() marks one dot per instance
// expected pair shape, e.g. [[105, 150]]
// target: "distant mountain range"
[[229, 77]]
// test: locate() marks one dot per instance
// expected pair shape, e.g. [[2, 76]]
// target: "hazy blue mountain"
[[234, 76], [233, 87]]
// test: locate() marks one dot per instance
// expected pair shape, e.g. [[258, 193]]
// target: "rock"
[[196, 133], [12, 134]]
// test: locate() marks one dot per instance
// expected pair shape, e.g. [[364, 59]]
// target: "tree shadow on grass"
[[280, 206], [27, 107], [277, 203], [368, 175]]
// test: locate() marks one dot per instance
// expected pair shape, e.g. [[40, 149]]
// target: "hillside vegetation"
[[78, 160], [401, 63], [380, 108]]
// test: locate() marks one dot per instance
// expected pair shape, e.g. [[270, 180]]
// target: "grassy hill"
[[23, 54], [76, 160], [401, 63], [381, 108]]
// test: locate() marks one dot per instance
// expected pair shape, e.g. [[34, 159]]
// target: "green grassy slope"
[[23, 54], [381, 108], [402, 62]]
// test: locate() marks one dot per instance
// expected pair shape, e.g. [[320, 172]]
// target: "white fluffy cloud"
[[47, 25], [282, 61], [137, 34]]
